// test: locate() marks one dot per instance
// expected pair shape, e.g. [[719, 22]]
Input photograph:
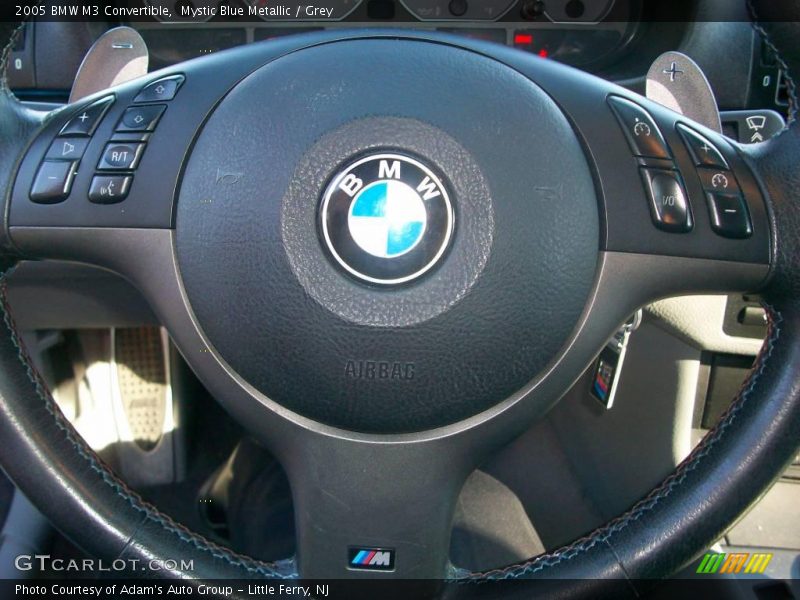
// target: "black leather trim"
[[756, 438], [47, 458], [751, 445], [17, 127]]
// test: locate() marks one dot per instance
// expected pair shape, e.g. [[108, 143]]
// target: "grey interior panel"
[[60, 295], [620, 454], [774, 522], [490, 526], [537, 469], [698, 320]]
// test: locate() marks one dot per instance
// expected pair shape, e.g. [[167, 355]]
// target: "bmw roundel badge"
[[386, 218]]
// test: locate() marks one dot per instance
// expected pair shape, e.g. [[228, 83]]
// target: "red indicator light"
[[523, 39], [544, 53]]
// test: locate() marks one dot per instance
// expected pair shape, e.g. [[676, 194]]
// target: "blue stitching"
[[603, 534], [791, 86], [663, 491], [5, 55], [281, 569]]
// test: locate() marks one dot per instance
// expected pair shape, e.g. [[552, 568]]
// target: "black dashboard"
[[605, 37], [584, 33], [615, 39]]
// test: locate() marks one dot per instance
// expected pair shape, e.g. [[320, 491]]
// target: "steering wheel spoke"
[[365, 509], [112, 161], [697, 200], [680, 200]]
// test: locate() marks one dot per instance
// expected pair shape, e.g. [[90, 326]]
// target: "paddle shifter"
[[677, 82]]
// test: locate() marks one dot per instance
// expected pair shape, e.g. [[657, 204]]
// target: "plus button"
[[673, 71]]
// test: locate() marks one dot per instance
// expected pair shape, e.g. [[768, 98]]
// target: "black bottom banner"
[[386, 589]]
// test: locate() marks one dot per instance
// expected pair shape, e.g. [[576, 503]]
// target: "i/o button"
[[669, 206]]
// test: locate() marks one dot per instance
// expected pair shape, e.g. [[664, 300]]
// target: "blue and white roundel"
[[387, 219]]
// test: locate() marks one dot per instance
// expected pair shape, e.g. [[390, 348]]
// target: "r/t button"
[[121, 156]]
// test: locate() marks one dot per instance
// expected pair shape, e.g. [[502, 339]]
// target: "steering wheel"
[[386, 254]]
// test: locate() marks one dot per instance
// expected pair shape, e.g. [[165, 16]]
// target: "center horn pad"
[[386, 353]]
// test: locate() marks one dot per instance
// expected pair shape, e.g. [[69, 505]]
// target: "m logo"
[[372, 559], [734, 562]]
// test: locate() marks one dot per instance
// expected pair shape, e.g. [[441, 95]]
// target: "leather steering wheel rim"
[[736, 461]]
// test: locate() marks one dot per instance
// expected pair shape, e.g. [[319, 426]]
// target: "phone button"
[[109, 189]]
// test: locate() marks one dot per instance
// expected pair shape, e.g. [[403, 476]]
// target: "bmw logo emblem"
[[386, 219]]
